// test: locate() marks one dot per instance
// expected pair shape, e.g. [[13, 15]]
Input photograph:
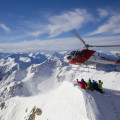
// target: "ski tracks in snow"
[[89, 100], [102, 106], [114, 100]]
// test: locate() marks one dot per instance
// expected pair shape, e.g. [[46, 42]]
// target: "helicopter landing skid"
[[84, 67]]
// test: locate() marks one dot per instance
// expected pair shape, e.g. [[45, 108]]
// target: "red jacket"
[[82, 84]]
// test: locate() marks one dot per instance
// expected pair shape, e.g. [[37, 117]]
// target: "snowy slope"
[[55, 105], [45, 81]]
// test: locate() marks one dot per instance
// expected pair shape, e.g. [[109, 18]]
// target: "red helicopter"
[[87, 56]]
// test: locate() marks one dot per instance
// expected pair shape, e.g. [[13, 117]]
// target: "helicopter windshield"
[[74, 53], [71, 55]]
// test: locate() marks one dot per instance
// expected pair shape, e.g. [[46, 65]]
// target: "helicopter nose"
[[67, 58]]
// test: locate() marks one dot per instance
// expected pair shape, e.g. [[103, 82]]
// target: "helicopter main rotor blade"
[[87, 45], [103, 45], [78, 36]]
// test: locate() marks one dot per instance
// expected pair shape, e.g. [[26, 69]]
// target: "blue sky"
[[34, 25]]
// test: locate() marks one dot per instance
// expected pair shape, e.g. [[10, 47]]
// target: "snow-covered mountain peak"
[[43, 80], [25, 59]]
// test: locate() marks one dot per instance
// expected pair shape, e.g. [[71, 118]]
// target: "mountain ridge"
[[43, 74]]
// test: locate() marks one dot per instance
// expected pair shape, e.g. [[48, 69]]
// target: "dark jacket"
[[95, 84]]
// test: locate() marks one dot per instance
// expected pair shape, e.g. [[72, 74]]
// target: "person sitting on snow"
[[100, 86], [95, 85], [83, 84], [90, 85]]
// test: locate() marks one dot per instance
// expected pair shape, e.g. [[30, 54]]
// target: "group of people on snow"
[[91, 85]]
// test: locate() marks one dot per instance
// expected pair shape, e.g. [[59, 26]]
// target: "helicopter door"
[[85, 55], [82, 57]]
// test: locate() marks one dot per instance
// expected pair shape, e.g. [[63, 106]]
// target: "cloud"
[[57, 24], [35, 34], [111, 26], [108, 40], [67, 21], [61, 44], [4, 27], [35, 45], [103, 13]]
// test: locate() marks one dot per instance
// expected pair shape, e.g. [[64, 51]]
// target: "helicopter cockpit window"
[[75, 53], [69, 57], [83, 54]]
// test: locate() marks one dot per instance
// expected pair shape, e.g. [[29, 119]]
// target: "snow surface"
[[49, 84], [25, 59]]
